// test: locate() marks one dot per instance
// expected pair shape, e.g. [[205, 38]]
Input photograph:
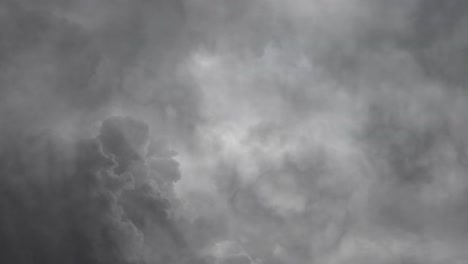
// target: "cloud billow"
[[215, 131]]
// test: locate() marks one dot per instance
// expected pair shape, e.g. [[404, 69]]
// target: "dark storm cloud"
[[85, 59], [74, 192], [306, 131], [85, 203]]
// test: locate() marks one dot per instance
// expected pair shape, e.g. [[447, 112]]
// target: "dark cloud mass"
[[84, 203], [221, 132]]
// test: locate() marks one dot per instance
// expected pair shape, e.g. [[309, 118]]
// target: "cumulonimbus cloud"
[[303, 131]]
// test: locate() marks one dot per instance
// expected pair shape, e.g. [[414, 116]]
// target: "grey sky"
[[216, 131]]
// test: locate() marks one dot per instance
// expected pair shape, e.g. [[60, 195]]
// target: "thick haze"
[[233, 131]]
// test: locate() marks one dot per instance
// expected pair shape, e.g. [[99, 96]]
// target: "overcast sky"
[[233, 131]]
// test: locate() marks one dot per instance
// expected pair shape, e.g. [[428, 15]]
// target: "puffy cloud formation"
[[335, 130], [91, 201], [216, 131]]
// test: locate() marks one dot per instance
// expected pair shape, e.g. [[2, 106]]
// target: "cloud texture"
[[215, 131]]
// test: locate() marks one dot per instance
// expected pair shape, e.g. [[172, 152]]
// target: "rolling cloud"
[[215, 131]]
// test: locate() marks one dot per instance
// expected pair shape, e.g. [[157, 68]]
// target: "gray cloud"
[[335, 131], [305, 131], [86, 202], [74, 191]]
